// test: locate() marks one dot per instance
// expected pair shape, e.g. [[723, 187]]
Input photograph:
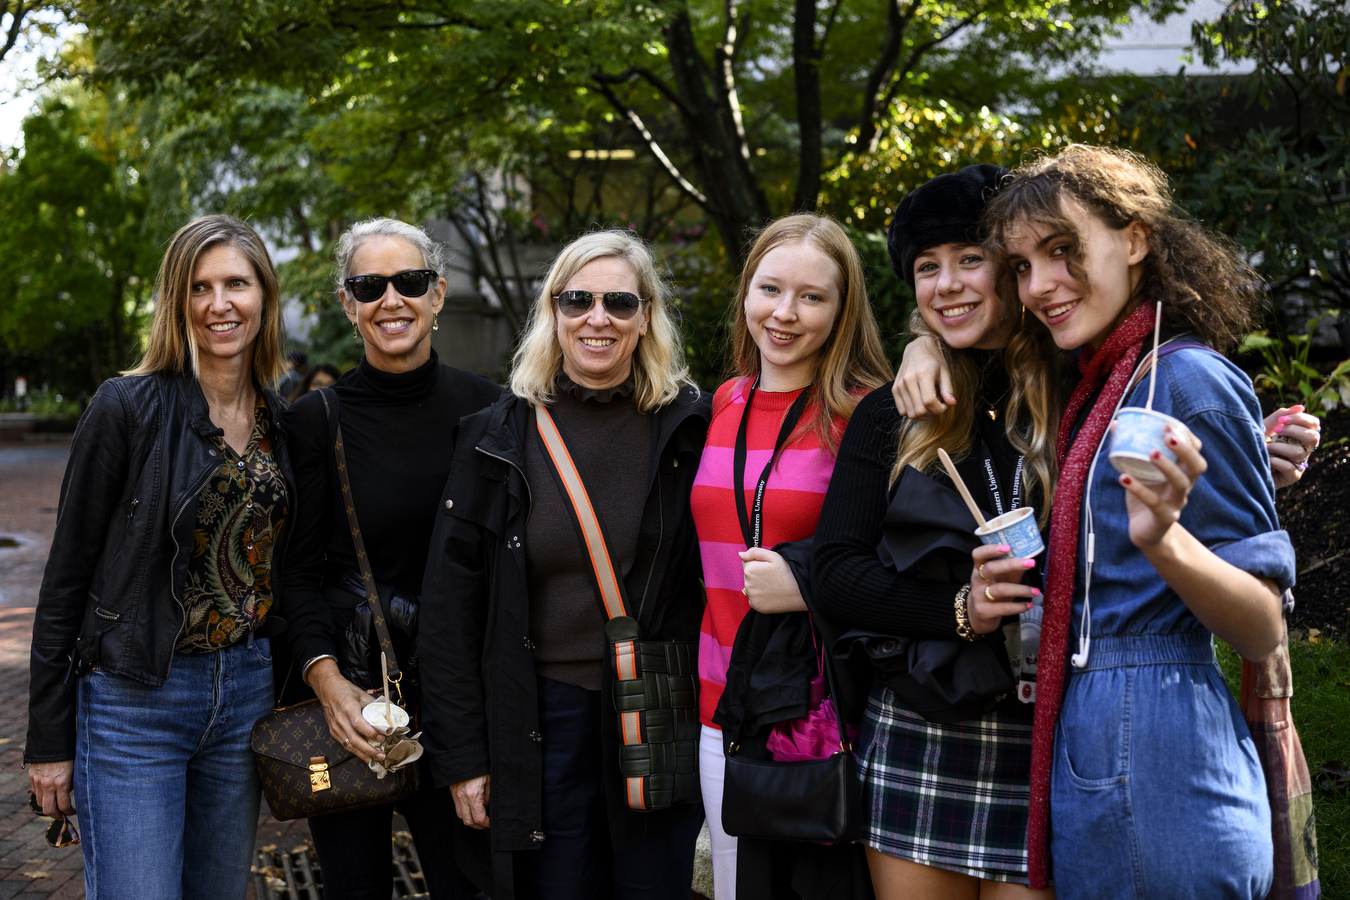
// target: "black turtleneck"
[[851, 585], [398, 434]]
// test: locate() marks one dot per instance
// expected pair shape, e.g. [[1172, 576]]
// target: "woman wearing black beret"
[[946, 784]]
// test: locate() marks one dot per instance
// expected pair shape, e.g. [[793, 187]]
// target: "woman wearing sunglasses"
[[398, 410], [150, 661], [518, 711]]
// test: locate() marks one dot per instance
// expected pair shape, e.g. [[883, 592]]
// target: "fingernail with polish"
[[1284, 420], [1171, 442], [1035, 592], [1125, 479], [1004, 548], [1031, 605], [1028, 563], [1277, 429]]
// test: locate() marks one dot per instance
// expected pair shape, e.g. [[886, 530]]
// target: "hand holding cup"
[[997, 576]]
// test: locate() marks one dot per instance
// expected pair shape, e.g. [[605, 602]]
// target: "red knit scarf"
[[1113, 365]]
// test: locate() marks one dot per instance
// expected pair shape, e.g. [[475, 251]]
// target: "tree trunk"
[[736, 202], [806, 75]]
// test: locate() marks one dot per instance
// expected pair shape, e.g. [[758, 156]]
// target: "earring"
[[356, 332], [435, 326]]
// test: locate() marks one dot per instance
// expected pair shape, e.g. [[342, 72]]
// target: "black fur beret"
[[945, 210]]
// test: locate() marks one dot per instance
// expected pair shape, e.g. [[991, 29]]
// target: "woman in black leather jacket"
[[151, 622], [398, 409]]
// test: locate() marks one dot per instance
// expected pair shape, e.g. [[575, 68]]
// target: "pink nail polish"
[[1028, 563], [1030, 605], [1284, 420], [1296, 409], [1277, 429], [1035, 592], [1004, 548]]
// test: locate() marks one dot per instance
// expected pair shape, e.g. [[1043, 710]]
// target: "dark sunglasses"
[[619, 304], [60, 833], [369, 288]]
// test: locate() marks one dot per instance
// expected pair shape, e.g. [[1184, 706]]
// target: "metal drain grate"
[[294, 874]]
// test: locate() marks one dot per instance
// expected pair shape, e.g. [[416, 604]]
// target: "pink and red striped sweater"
[[792, 501]]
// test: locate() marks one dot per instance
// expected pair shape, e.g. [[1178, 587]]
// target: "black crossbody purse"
[[816, 800], [655, 682]]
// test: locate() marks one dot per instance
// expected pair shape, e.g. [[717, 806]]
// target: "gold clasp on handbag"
[[397, 682], [318, 774]]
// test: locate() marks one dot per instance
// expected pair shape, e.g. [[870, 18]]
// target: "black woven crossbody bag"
[[655, 682]]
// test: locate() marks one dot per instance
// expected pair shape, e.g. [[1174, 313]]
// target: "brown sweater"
[[609, 441]]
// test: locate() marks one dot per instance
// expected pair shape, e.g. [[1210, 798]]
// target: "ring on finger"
[[988, 596], [983, 577], [347, 743]]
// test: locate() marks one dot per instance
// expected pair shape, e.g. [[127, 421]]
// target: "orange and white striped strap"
[[581, 502]]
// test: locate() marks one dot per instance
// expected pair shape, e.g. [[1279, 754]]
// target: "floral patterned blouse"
[[240, 514]]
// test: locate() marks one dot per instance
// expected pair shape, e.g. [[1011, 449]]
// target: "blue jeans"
[[165, 787], [576, 860]]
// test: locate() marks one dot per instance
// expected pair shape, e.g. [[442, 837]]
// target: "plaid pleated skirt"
[[950, 796]]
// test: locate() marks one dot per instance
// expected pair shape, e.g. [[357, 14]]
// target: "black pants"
[[354, 851], [576, 860]]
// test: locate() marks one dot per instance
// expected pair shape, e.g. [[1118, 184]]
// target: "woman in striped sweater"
[[806, 349]]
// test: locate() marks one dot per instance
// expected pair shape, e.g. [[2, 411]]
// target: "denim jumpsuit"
[[1156, 789]]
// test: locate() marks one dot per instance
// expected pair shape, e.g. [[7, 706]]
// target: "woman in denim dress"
[[1155, 788]]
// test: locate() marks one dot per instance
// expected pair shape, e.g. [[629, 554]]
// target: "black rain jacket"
[[112, 591], [480, 705]]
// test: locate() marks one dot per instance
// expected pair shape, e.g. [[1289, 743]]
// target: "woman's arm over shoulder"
[[307, 613], [850, 584], [1232, 508], [96, 478]]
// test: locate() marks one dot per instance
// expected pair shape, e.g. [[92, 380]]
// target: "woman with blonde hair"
[[518, 706], [150, 661], [806, 348]]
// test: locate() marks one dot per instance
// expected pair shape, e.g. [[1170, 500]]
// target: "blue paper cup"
[[1138, 433], [1017, 529]]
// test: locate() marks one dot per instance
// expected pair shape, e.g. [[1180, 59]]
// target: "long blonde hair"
[[1031, 420], [658, 362], [852, 361], [172, 346]]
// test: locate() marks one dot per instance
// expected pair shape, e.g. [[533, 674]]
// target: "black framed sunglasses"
[[369, 288], [60, 833], [619, 304]]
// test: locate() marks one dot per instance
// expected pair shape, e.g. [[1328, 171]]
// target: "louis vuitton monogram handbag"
[[303, 770]]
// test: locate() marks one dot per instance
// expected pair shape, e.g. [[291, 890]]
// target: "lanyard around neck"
[[752, 523], [992, 474]]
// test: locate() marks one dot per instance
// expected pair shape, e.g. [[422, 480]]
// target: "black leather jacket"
[[112, 590]]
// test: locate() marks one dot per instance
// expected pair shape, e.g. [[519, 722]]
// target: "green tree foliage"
[[745, 106], [77, 260], [1264, 157]]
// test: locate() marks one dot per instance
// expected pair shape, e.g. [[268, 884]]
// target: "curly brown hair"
[[1201, 280]]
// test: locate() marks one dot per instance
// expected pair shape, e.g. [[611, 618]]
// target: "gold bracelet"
[[963, 629]]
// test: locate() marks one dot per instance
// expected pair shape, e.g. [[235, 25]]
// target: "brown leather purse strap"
[[367, 576]]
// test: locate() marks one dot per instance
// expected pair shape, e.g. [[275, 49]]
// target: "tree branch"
[[898, 79], [654, 148], [897, 23], [15, 25], [651, 78]]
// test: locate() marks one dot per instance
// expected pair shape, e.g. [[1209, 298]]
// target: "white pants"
[[712, 764]]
